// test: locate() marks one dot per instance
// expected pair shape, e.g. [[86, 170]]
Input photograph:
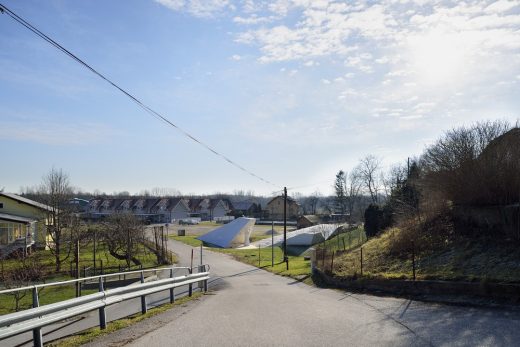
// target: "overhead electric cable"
[[149, 110]]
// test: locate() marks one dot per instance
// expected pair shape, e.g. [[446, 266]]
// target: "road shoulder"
[[126, 335]]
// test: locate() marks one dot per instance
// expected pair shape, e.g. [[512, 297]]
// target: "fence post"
[[143, 297], [172, 293], [37, 332], [102, 314], [344, 248], [323, 258], [361, 261], [190, 286], [258, 255], [413, 260], [332, 263]]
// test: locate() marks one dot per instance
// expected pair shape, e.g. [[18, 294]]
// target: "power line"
[[139, 103]]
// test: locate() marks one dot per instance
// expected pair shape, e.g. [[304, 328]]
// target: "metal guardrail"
[[39, 316]]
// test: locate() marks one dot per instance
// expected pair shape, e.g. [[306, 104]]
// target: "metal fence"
[[39, 316]]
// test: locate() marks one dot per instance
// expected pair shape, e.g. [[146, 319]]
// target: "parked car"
[[188, 221]]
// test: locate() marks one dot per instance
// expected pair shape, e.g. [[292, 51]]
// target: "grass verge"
[[462, 259], [93, 333], [299, 268]]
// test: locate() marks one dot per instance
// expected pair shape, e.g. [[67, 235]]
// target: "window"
[[1, 205]]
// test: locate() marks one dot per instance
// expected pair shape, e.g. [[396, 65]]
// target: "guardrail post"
[[190, 286], [172, 293], [37, 332], [102, 314], [205, 282], [143, 297]]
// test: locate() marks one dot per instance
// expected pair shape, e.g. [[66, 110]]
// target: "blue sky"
[[292, 90]]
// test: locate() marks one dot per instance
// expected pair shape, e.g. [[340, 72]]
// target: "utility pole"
[[285, 257]]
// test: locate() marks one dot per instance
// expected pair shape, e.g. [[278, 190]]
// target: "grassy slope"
[[476, 260]]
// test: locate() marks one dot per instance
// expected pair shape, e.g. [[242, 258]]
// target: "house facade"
[[152, 210], [275, 208], [209, 209], [22, 223], [246, 209]]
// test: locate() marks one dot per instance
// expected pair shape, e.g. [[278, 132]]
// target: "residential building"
[[22, 223], [151, 210], [246, 209], [275, 208], [209, 209]]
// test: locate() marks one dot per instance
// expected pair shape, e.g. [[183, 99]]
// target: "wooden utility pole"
[[285, 257]]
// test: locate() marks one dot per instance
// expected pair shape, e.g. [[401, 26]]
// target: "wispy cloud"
[[52, 133], [198, 8]]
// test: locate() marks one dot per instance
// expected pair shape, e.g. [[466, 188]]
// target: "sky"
[[291, 90]]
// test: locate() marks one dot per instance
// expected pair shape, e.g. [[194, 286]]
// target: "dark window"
[[1, 205]]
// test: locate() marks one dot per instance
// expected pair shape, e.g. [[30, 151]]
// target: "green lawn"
[[298, 267], [188, 239], [58, 293]]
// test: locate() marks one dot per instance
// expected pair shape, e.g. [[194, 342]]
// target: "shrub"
[[377, 219]]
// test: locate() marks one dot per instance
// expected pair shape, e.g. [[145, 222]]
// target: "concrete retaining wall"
[[496, 291]]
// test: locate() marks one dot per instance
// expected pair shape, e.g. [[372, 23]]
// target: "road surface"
[[253, 307]]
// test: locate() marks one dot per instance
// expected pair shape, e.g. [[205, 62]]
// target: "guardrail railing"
[[39, 316]]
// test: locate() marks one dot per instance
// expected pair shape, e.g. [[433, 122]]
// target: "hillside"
[[461, 259]]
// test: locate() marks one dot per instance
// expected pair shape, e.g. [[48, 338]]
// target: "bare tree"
[[55, 192], [465, 162], [311, 202], [369, 169], [123, 234], [353, 189]]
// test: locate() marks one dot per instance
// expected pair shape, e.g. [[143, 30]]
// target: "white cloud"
[[198, 8], [236, 57], [502, 6]]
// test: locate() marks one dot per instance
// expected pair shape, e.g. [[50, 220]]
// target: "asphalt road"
[[252, 307]]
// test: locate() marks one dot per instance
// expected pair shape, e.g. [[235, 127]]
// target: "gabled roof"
[[312, 218], [26, 201], [214, 202], [243, 205], [175, 201], [289, 200], [194, 204]]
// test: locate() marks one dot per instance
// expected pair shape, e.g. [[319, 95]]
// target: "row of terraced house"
[[158, 210]]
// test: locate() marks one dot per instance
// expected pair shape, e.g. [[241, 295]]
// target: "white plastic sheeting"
[[311, 235], [302, 237], [231, 235]]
